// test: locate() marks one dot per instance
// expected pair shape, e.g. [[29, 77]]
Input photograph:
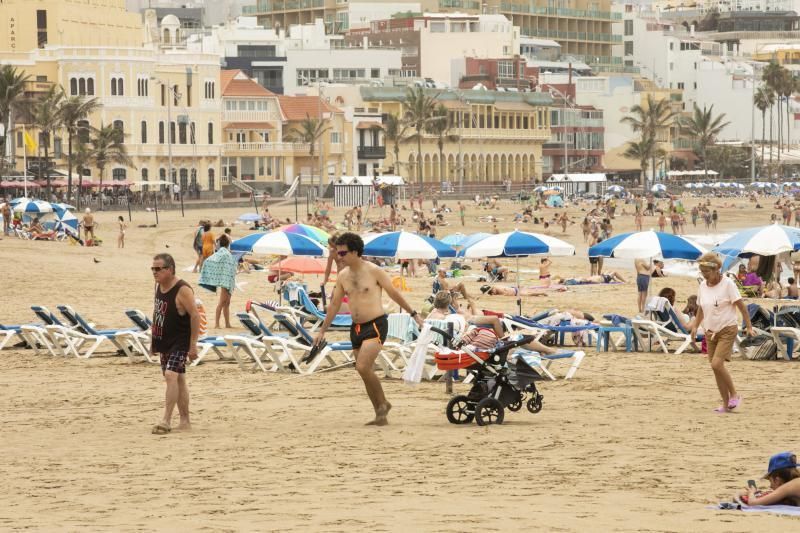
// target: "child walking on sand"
[[121, 236]]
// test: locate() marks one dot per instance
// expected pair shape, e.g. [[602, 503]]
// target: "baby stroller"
[[497, 383]]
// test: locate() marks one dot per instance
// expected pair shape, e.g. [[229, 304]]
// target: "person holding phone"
[[717, 300], [784, 482]]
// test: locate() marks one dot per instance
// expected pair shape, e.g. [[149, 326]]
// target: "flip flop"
[[734, 402], [314, 351], [161, 429], [721, 410]]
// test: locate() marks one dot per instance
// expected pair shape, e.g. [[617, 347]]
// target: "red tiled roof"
[[248, 126], [300, 107], [236, 83]]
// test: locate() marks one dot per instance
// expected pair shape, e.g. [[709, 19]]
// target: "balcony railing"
[[269, 148], [558, 12], [574, 35], [371, 152], [249, 116], [286, 5]]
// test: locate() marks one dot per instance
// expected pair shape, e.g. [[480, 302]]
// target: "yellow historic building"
[[148, 84], [493, 136]]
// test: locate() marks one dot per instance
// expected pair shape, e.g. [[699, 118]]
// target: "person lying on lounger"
[[608, 277], [38, 232], [508, 290], [441, 310], [784, 483]]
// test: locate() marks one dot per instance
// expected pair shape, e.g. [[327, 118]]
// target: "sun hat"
[[780, 461]]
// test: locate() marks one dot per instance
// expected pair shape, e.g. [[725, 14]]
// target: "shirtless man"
[[363, 283], [7, 216], [644, 270], [88, 224]]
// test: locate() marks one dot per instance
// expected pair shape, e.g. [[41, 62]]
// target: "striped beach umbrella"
[[616, 189], [406, 245], [312, 232], [658, 187], [647, 244], [279, 243], [765, 240], [66, 220], [518, 244], [32, 207]]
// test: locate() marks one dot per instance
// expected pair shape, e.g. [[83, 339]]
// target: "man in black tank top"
[[176, 323]]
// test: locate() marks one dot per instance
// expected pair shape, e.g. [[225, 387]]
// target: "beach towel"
[[219, 270], [413, 372], [775, 509]]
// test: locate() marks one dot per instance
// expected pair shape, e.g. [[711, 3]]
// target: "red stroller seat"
[[458, 359]]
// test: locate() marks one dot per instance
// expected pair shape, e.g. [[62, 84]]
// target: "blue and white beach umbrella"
[[647, 244], [764, 240], [66, 220], [406, 245], [249, 217], [518, 244], [62, 206], [658, 187], [279, 243], [616, 189], [454, 239], [540, 188], [32, 207]]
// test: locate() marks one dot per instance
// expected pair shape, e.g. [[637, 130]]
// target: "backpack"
[[759, 348]]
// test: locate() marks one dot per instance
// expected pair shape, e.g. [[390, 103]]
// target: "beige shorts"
[[720, 344]]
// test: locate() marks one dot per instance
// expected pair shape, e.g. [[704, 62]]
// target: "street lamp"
[[175, 94]]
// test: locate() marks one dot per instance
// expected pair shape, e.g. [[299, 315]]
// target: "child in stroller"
[[497, 384]]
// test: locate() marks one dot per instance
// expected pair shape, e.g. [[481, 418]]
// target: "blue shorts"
[[642, 282]]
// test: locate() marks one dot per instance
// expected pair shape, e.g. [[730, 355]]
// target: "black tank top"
[[171, 331]]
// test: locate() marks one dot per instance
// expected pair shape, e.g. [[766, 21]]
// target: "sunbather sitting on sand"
[[38, 232], [508, 290]]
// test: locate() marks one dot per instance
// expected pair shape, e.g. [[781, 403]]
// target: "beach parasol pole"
[[155, 203], [128, 197]]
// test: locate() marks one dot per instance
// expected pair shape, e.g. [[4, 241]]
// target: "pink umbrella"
[[121, 183]]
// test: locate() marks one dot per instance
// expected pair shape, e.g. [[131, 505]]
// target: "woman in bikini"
[[121, 236]]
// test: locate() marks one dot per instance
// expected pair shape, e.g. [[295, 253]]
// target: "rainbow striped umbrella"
[[312, 232]]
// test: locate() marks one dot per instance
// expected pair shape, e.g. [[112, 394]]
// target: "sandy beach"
[[630, 444]]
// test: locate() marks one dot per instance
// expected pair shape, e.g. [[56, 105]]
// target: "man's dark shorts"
[[174, 361], [374, 329], [642, 282]]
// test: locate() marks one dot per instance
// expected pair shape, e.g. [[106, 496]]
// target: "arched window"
[[184, 179], [182, 133], [144, 132], [172, 132], [145, 177], [161, 132], [192, 137], [120, 87], [83, 131], [193, 179], [82, 86], [73, 86], [211, 179], [90, 87], [120, 127], [210, 133], [118, 174], [113, 86]]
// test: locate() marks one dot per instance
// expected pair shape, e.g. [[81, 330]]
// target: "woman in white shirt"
[[717, 300]]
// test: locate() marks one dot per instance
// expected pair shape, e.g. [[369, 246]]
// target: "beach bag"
[[759, 348]]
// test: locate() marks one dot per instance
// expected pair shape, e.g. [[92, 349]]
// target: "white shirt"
[[717, 304]]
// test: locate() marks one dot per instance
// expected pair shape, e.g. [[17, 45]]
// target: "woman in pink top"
[[717, 300]]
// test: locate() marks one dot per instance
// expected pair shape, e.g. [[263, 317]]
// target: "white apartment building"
[[214, 11], [286, 61]]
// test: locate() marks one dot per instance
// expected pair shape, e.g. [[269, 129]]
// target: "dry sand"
[[630, 444]]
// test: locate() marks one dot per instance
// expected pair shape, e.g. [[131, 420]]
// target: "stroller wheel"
[[516, 405], [489, 411], [535, 403], [460, 410]]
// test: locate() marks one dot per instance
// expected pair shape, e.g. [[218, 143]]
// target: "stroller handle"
[[448, 337]]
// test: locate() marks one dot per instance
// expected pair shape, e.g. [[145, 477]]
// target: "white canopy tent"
[[360, 190], [579, 183]]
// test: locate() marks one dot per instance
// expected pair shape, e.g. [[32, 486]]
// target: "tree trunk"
[[780, 126], [763, 133], [770, 133], [643, 178], [69, 167], [419, 156], [441, 164], [788, 127], [47, 168], [100, 188]]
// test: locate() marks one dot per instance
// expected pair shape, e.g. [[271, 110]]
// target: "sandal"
[[734, 402], [721, 410], [161, 429]]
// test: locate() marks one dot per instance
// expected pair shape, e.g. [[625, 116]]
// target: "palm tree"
[[763, 99], [649, 120], [772, 77], [310, 131], [12, 89], [440, 126], [705, 128], [82, 157], [395, 131], [643, 151], [73, 110], [788, 87], [46, 117], [108, 146], [418, 114]]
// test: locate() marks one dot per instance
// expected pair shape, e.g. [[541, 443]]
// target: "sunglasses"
[[342, 253], [157, 269]]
